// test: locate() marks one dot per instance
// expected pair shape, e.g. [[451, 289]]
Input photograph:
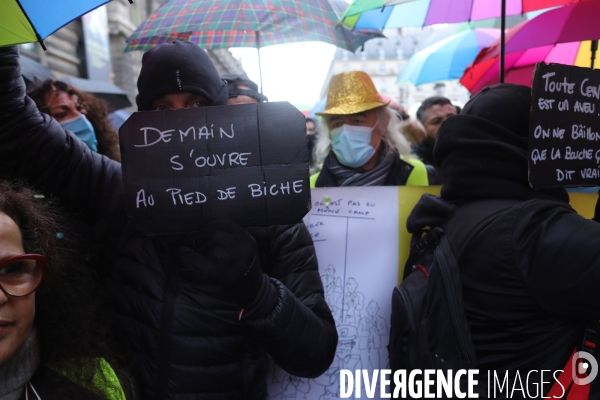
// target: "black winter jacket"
[[182, 327], [531, 277]]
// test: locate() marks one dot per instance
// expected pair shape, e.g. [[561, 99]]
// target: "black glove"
[[231, 256]]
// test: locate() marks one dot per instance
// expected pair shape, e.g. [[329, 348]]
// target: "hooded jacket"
[[182, 328], [530, 277]]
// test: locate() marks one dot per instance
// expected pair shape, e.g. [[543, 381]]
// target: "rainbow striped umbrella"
[[27, 21], [448, 58], [519, 65], [380, 14]]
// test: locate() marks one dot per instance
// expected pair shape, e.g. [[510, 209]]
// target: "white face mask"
[[352, 144]]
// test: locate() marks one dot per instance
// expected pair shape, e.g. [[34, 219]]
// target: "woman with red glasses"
[[54, 343]]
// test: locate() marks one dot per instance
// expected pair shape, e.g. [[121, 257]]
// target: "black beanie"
[[233, 81], [176, 67], [505, 104]]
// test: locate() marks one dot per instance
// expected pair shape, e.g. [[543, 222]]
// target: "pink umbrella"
[[520, 65], [380, 14], [571, 23]]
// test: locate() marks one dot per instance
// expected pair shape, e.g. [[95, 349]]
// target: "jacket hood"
[[481, 159]]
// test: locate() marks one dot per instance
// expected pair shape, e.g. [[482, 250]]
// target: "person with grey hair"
[[360, 142]]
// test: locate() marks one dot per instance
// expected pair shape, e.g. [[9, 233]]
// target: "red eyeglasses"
[[21, 275]]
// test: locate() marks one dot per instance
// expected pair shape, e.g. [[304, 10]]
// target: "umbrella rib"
[[37, 35]]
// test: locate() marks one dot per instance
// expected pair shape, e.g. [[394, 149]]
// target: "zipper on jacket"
[[171, 268], [453, 307]]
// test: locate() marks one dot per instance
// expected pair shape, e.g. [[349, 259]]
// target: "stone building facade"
[[66, 52]]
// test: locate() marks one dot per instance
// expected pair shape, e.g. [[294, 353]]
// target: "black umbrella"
[[114, 95], [34, 72]]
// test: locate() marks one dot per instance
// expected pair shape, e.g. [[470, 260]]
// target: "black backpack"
[[428, 325]]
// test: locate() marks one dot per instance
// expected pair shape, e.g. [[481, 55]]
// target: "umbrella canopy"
[[114, 95], [448, 58], [572, 23], [27, 21], [520, 65], [246, 23], [34, 72], [380, 14]]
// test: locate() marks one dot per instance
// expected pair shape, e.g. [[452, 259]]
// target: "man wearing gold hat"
[[360, 143]]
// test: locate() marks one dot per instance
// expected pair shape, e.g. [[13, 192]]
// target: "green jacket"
[[105, 382]]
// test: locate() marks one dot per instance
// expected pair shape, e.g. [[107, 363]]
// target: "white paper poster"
[[355, 232]]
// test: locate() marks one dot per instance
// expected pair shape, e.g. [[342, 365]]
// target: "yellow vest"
[[417, 177]]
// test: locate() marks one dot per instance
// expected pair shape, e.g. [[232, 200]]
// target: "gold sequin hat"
[[350, 93]]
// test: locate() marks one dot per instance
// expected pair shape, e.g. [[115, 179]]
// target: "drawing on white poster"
[[355, 232]]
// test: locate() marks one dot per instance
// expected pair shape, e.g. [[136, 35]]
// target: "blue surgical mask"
[[83, 129], [352, 145]]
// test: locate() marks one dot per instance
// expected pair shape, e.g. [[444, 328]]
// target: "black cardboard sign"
[[183, 168], [564, 130]]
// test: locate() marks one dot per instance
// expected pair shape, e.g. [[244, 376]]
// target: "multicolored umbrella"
[[380, 14], [572, 23], [448, 58], [27, 21], [246, 23], [519, 65]]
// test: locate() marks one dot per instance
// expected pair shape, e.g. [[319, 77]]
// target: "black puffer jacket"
[[182, 328], [531, 277]]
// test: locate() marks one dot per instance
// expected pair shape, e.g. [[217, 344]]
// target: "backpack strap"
[[565, 387]]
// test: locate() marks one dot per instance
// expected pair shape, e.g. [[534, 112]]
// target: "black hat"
[[233, 81], [505, 104], [175, 67]]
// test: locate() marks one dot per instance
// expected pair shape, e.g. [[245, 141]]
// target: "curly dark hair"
[[73, 330], [95, 109]]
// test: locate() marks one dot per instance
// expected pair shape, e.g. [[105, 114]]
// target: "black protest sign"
[[564, 138], [183, 168]]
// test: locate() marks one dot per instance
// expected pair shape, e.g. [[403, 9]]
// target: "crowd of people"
[[201, 315]]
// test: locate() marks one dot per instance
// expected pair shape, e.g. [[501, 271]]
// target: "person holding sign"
[[200, 312], [360, 143], [530, 271]]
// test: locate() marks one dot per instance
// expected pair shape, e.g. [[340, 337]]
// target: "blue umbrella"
[[448, 58], [27, 21]]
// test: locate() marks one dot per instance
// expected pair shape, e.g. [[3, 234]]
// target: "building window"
[[363, 55], [345, 56], [382, 69], [381, 53], [399, 53], [345, 67], [364, 67]]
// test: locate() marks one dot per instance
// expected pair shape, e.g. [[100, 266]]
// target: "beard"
[[428, 141]]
